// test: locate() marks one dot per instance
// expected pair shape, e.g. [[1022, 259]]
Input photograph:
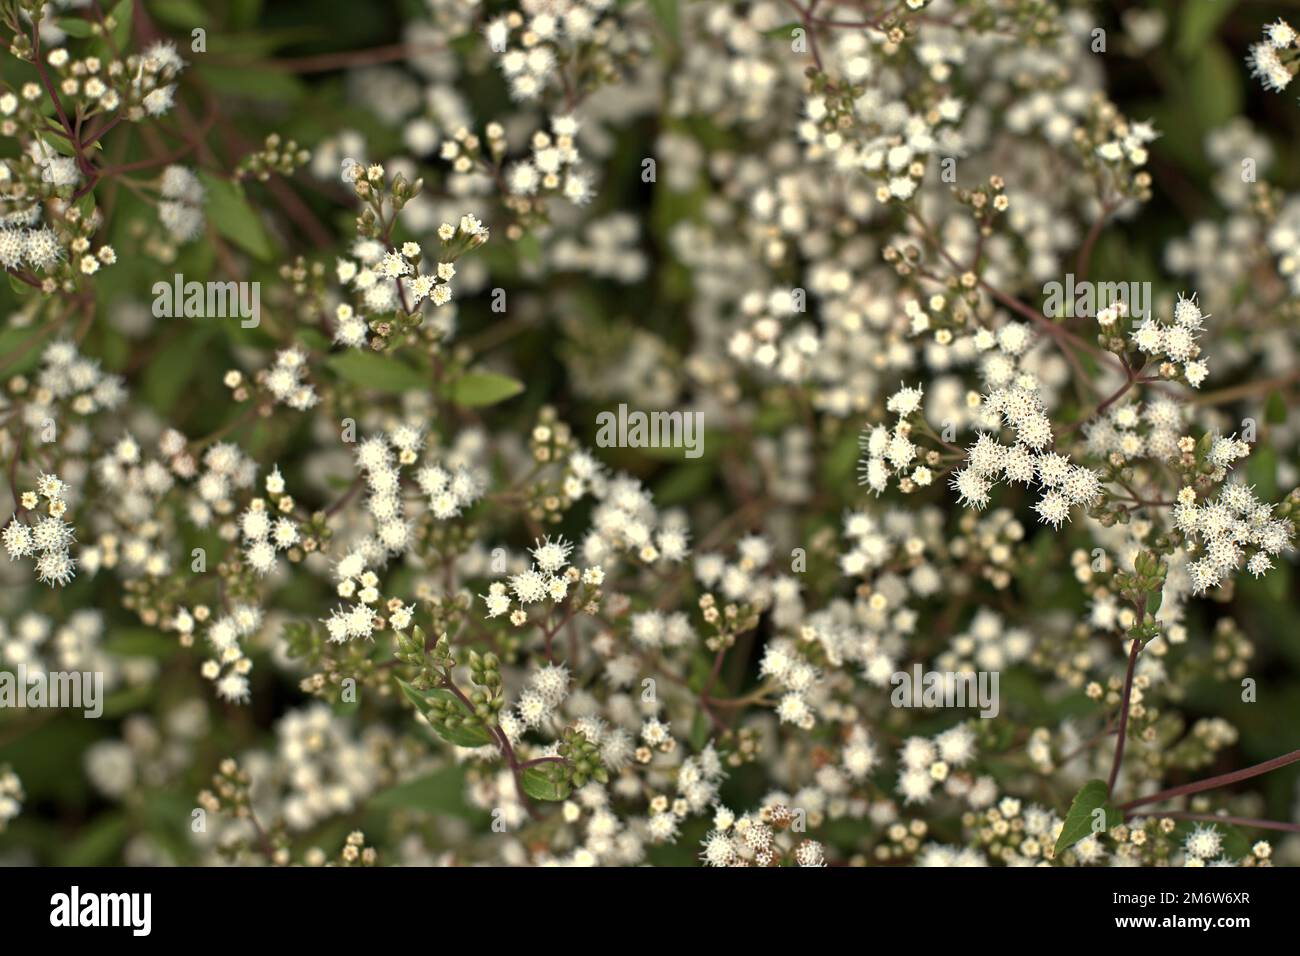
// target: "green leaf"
[[253, 82], [439, 792], [1261, 471], [1198, 22], [185, 14], [475, 735], [244, 13], [97, 844], [75, 27], [375, 371], [122, 14], [705, 443], [840, 462], [476, 389], [1214, 87], [172, 371], [234, 218], [26, 342], [1275, 408], [784, 31], [546, 782], [471, 735], [667, 14], [313, 338], [139, 642], [684, 483], [262, 42], [699, 731], [528, 248], [1078, 822], [64, 148]]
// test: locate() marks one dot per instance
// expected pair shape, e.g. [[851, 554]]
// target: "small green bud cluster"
[[276, 156]]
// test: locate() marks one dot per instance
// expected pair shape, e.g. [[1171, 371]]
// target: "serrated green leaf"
[[539, 785], [232, 216], [375, 371], [1078, 822], [477, 389]]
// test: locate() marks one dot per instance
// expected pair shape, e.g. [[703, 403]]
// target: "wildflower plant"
[[304, 346]]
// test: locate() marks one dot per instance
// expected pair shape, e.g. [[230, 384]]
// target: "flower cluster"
[[390, 283], [181, 209], [1275, 60], [1175, 342], [45, 537], [538, 44], [1233, 528]]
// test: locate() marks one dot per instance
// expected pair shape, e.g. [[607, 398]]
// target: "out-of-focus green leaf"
[[253, 82], [233, 217], [1215, 87], [98, 844], [75, 27], [13, 341], [244, 13], [185, 14], [476, 389], [139, 642], [1261, 471], [784, 31], [442, 791], [260, 43], [379, 372], [684, 483], [1275, 409], [122, 15], [1197, 23], [171, 371]]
